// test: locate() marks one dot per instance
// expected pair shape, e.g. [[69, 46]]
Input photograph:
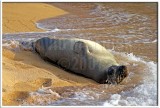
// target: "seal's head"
[[115, 74]]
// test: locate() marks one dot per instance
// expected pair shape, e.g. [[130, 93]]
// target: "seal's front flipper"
[[80, 48]]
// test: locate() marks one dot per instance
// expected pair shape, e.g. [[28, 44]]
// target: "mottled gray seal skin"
[[83, 57]]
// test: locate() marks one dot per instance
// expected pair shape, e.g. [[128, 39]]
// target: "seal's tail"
[[41, 46]]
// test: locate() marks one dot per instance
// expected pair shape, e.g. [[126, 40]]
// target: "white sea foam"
[[43, 96], [55, 30], [18, 45], [115, 16], [142, 95], [40, 26], [154, 41]]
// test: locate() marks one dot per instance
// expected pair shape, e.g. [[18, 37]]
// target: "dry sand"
[[21, 17], [25, 71]]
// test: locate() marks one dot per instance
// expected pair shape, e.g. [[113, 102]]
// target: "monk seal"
[[83, 57]]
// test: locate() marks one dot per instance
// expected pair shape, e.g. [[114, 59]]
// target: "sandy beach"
[[21, 69], [129, 31]]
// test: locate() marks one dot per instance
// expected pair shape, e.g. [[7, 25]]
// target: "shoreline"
[[18, 18]]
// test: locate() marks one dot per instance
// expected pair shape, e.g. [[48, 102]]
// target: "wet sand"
[[25, 71]]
